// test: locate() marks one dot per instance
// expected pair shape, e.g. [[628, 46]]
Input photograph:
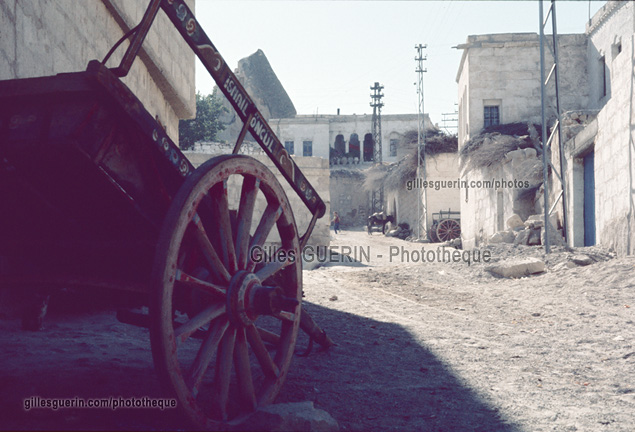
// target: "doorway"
[[589, 199]]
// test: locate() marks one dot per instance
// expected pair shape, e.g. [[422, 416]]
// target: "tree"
[[206, 124]]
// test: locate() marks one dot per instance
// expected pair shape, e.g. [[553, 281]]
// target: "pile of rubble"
[[402, 231], [530, 232]]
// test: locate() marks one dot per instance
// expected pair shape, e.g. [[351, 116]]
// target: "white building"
[[315, 135], [499, 82]]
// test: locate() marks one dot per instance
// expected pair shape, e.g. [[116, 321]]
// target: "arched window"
[[353, 146], [339, 145], [369, 145]]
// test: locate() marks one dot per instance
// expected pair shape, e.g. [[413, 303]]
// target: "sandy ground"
[[420, 346]]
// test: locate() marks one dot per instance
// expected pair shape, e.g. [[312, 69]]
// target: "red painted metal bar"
[[184, 20]]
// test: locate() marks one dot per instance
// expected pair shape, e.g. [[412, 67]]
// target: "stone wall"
[[47, 37], [316, 171], [441, 169], [614, 144], [485, 208], [348, 197]]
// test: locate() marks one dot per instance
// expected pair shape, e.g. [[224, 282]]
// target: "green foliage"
[[206, 124]]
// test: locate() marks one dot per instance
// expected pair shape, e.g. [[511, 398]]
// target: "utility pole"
[[422, 204], [556, 129], [376, 103]]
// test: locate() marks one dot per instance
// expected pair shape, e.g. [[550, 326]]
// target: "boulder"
[[555, 238], [582, 260], [508, 236], [522, 237], [496, 238], [514, 221], [515, 268], [292, 417]]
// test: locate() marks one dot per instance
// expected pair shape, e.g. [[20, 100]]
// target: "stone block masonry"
[[47, 37]]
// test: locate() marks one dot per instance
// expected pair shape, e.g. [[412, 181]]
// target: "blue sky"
[[327, 55]]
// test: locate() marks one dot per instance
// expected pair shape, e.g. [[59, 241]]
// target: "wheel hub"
[[247, 299]]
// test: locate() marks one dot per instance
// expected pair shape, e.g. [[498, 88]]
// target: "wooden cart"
[[446, 225], [95, 194]]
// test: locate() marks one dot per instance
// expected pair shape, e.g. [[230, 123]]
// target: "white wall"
[[614, 152], [46, 37], [323, 129]]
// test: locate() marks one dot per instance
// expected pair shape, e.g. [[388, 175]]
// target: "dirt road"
[[446, 346], [437, 346]]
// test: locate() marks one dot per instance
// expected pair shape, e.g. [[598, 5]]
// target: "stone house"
[[499, 82], [346, 135], [40, 38]]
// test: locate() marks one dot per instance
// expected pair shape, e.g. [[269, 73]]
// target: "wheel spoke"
[[268, 336], [243, 370], [264, 359], [223, 373], [205, 316], [270, 269], [185, 279], [223, 219], [205, 354], [209, 252], [285, 316], [269, 218], [247, 201]]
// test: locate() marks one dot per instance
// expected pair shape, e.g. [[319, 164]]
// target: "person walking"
[[336, 222]]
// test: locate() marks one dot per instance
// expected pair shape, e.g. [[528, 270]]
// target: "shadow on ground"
[[378, 378]]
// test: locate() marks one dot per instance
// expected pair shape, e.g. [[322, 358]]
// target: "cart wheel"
[[224, 327], [448, 229]]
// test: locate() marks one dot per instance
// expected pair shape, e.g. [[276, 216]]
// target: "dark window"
[[307, 148], [353, 146], [602, 77], [393, 147], [340, 145], [369, 146], [491, 116], [288, 145]]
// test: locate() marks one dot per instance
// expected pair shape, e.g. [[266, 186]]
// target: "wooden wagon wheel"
[[224, 327], [448, 229]]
